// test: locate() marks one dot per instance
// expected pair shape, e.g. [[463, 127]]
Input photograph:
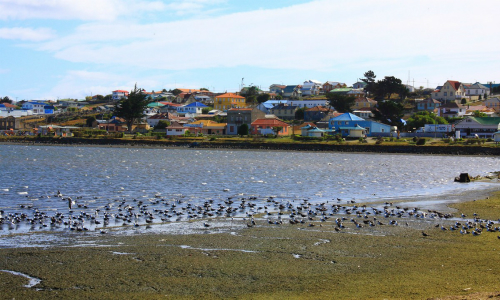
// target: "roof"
[[283, 106], [348, 117], [120, 91], [156, 104], [196, 104], [319, 108], [230, 95], [486, 120], [454, 84], [357, 127], [269, 122]]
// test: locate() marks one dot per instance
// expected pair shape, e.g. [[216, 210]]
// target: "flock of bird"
[[342, 215]]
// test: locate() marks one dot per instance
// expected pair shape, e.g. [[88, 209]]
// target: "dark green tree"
[[162, 124], [206, 110], [463, 101], [370, 81], [278, 97], [389, 112], [341, 103], [108, 98], [299, 113], [90, 120], [421, 118], [263, 98], [176, 92], [388, 86], [132, 108], [243, 129], [6, 99], [277, 129]]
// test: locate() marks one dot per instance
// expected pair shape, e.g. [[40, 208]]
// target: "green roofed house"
[[341, 90], [478, 127]]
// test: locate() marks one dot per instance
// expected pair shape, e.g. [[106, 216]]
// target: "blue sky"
[[72, 49]]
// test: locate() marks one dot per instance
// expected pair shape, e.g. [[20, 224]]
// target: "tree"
[[90, 121], [162, 124], [277, 129], [263, 98], [341, 103], [388, 86], [108, 98], [479, 114], [389, 112], [421, 118], [132, 108], [243, 129], [251, 99], [299, 113], [206, 110], [370, 81], [6, 99], [203, 89], [176, 92], [463, 101], [278, 97]]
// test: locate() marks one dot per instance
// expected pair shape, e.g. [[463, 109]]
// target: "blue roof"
[[2, 105], [348, 117], [196, 104]]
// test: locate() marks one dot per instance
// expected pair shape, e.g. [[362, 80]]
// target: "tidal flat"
[[267, 261]]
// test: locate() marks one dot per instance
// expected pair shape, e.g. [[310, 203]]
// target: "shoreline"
[[307, 147]]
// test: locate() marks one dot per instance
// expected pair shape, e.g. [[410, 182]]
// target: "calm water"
[[100, 178]]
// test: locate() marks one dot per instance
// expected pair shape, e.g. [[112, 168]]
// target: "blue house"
[[49, 109], [193, 108], [38, 108], [347, 122]]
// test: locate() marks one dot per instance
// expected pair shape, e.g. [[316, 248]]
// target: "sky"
[[56, 49]]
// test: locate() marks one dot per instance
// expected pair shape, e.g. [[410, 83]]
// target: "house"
[[428, 105], [311, 130], [268, 126], [342, 91], [284, 112], [308, 103], [169, 107], [292, 91], [184, 98], [359, 85], [493, 103], [206, 127], [175, 129], [450, 91], [331, 85], [311, 87], [118, 95], [112, 125], [238, 116], [194, 108], [7, 107], [229, 100], [471, 109], [410, 88], [318, 113], [38, 108], [451, 110], [357, 93], [482, 127], [276, 89], [474, 90], [11, 123], [57, 130], [364, 113], [363, 102], [349, 125], [155, 119]]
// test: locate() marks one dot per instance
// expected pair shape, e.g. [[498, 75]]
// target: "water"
[[99, 178]]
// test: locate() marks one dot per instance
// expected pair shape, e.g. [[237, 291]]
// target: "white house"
[[482, 127], [38, 108], [307, 103], [119, 94], [476, 89], [311, 87], [450, 91]]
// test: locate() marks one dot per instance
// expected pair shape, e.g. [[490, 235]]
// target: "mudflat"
[[411, 260]]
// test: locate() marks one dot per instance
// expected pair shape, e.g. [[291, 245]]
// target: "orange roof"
[[269, 122], [120, 91], [319, 108], [189, 90], [230, 95]]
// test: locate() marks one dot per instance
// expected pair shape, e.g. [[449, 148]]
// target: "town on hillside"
[[367, 108]]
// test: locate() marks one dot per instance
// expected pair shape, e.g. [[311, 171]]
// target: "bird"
[[424, 234], [206, 224]]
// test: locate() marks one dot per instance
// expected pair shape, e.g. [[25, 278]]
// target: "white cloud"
[[27, 34], [321, 35], [71, 9], [185, 7]]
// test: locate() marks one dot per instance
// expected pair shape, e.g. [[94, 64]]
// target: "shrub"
[[420, 142], [213, 138], [379, 141]]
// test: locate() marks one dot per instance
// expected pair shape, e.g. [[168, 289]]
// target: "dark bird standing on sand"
[[424, 234]]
